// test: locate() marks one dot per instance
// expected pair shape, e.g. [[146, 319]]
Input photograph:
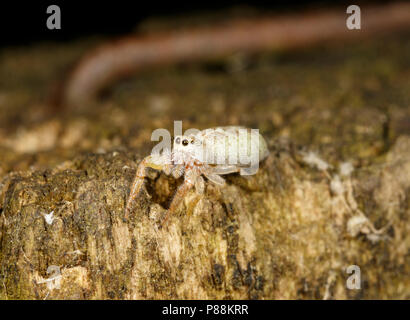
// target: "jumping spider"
[[194, 155]]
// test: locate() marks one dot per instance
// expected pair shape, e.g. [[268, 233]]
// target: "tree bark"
[[282, 233]]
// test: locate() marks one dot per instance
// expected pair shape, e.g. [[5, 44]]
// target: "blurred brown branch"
[[113, 61]]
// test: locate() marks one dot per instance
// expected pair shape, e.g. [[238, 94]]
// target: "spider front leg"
[[158, 162], [177, 171]]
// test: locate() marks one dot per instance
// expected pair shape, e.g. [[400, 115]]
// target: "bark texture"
[[279, 234]]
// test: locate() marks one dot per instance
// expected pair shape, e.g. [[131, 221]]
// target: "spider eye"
[[185, 142], [177, 140], [192, 141]]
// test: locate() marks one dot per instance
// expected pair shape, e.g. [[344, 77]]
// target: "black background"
[[24, 22], [261, 309]]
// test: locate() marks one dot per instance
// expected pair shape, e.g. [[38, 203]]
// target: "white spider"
[[211, 152]]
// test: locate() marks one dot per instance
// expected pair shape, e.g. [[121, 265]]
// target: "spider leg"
[[200, 185], [158, 162], [221, 169], [214, 177], [192, 205], [177, 171], [189, 182]]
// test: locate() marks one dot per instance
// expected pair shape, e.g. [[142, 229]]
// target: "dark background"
[[22, 23]]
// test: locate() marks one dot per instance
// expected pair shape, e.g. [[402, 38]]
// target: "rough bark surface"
[[290, 231]]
